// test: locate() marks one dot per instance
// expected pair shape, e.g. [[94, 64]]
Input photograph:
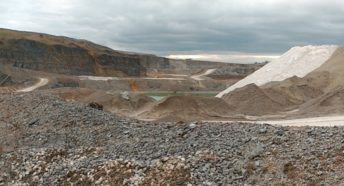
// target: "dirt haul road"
[[40, 83], [199, 77], [325, 121], [328, 121]]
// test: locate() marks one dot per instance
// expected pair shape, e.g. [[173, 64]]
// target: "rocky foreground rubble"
[[46, 141]]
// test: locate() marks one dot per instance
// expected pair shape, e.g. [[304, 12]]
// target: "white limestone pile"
[[298, 61]]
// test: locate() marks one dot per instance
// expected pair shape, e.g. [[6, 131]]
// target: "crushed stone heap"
[[46, 141]]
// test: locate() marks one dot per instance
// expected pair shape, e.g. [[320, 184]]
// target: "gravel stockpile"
[[298, 61], [45, 141]]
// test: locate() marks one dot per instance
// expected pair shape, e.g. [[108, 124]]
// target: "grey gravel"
[[71, 143]]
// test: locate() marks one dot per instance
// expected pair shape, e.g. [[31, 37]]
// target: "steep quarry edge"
[[59, 54]]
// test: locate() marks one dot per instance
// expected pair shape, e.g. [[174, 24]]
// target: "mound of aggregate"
[[46, 141]]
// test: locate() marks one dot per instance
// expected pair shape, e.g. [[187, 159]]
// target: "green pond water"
[[161, 95]]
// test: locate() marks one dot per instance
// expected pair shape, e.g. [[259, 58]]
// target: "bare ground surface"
[[321, 121], [45, 141], [312, 121]]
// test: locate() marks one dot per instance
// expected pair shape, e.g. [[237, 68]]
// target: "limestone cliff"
[[63, 55]]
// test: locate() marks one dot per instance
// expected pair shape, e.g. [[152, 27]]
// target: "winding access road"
[[40, 83], [199, 77]]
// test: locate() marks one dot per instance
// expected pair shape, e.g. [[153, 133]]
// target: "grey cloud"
[[165, 26]]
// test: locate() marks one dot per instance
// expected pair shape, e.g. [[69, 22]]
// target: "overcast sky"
[[222, 30]]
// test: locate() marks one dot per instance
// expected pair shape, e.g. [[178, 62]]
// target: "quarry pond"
[[159, 95]]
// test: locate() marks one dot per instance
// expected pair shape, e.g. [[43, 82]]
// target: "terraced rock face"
[[65, 56], [35, 55], [79, 57]]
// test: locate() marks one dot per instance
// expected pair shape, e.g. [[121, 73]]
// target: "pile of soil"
[[252, 100], [185, 108], [271, 99], [295, 91], [331, 103]]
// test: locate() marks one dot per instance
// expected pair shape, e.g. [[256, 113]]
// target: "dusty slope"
[[272, 99], [186, 108], [334, 64], [251, 100], [334, 68], [330, 103]]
